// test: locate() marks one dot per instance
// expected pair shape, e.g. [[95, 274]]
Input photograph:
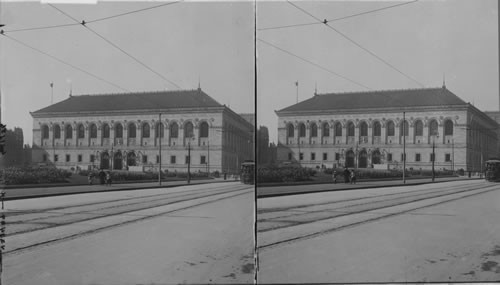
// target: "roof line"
[[382, 90], [136, 92]]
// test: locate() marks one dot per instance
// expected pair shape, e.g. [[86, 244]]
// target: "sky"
[[423, 40], [187, 43]]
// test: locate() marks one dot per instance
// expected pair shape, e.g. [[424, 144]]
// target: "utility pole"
[[189, 161], [453, 155], [297, 87], [433, 158], [433, 155], [404, 149], [52, 93], [160, 129]]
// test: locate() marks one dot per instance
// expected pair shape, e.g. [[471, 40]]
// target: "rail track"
[[270, 222], [23, 223]]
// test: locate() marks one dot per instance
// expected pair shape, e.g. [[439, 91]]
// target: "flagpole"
[[51, 93], [297, 85]]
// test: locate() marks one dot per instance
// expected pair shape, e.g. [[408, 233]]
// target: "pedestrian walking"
[[353, 177]]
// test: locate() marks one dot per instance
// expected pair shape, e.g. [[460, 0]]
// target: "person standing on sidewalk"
[[347, 173], [102, 176], [353, 177], [108, 178], [91, 177], [334, 176]]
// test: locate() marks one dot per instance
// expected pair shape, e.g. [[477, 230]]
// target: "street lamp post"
[[433, 156], [189, 159], [159, 130], [404, 149]]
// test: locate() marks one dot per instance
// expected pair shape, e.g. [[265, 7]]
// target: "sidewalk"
[[37, 192], [294, 189]]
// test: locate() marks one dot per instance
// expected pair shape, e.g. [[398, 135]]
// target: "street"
[[439, 232], [186, 234]]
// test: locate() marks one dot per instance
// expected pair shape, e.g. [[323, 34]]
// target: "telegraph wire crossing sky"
[[122, 47], [374, 45]]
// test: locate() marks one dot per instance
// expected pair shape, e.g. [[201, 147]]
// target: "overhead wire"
[[64, 62], [325, 22], [95, 20], [313, 63], [338, 19], [133, 12], [83, 23]]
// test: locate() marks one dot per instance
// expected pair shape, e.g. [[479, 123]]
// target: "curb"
[[347, 189], [104, 190]]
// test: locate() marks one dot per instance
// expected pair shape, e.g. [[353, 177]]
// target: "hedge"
[[32, 175]]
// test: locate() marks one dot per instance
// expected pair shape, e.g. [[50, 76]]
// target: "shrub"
[[31, 175], [284, 174]]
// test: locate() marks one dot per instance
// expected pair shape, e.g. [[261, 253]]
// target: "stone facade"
[[460, 136], [216, 138]]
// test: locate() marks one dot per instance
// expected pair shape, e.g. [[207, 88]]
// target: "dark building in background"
[[14, 142], [266, 152], [495, 115]]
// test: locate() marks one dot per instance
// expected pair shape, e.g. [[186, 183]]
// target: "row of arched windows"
[[363, 129], [131, 128]]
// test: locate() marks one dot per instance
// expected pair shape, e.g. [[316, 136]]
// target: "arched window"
[[377, 129], [349, 158], [326, 130], [363, 129], [433, 128], [188, 130], [302, 130], [69, 132], [93, 131], [159, 131], [350, 129], [57, 132], [338, 129], [132, 130], [105, 131], [448, 128], [314, 130], [419, 128], [81, 131], [290, 131], [174, 130], [404, 128], [390, 128], [145, 130], [45, 132], [119, 131], [204, 130]]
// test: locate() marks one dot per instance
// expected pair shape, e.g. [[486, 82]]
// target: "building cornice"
[[128, 112], [374, 110]]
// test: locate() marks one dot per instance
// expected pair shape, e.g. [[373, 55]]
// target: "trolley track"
[[66, 218], [204, 199], [372, 203], [292, 238], [54, 212], [36, 211]]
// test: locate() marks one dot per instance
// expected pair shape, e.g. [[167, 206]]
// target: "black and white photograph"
[[249, 142], [377, 142], [129, 130]]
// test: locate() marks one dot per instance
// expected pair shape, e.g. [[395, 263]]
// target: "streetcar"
[[492, 170], [248, 172]]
